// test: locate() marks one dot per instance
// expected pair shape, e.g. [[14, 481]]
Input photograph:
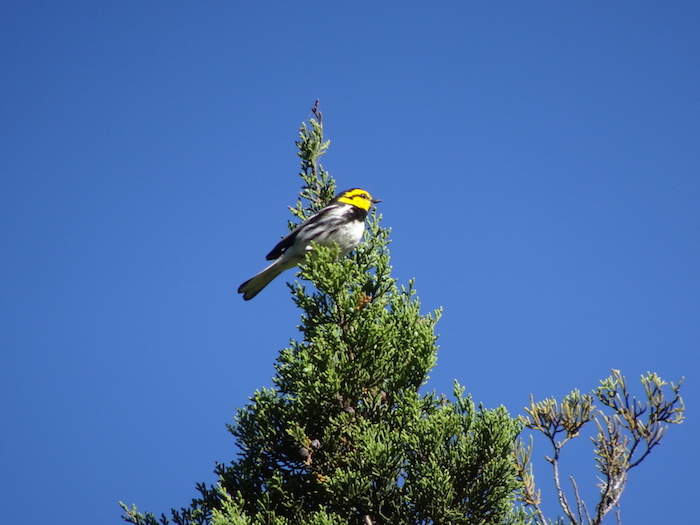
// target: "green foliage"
[[345, 436]]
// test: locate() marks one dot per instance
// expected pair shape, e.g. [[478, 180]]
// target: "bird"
[[342, 222]]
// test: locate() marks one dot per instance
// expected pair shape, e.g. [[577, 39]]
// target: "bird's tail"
[[253, 286]]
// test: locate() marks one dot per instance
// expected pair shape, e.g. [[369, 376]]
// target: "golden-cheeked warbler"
[[342, 222]]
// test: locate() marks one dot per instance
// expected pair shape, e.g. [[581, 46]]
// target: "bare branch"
[[625, 437]]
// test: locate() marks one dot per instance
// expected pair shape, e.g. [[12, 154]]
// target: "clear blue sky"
[[539, 164]]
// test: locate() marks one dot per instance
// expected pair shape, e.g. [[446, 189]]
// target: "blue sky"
[[539, 165]]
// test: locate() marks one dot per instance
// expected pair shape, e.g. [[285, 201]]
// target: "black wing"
[[291, 237], [282, 246]]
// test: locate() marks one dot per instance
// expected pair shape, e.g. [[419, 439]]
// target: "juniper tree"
[[346, 435]]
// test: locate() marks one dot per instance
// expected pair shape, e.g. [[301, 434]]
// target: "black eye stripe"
[[357, 195]]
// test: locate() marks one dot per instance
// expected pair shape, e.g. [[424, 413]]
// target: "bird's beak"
[[375, 201]]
